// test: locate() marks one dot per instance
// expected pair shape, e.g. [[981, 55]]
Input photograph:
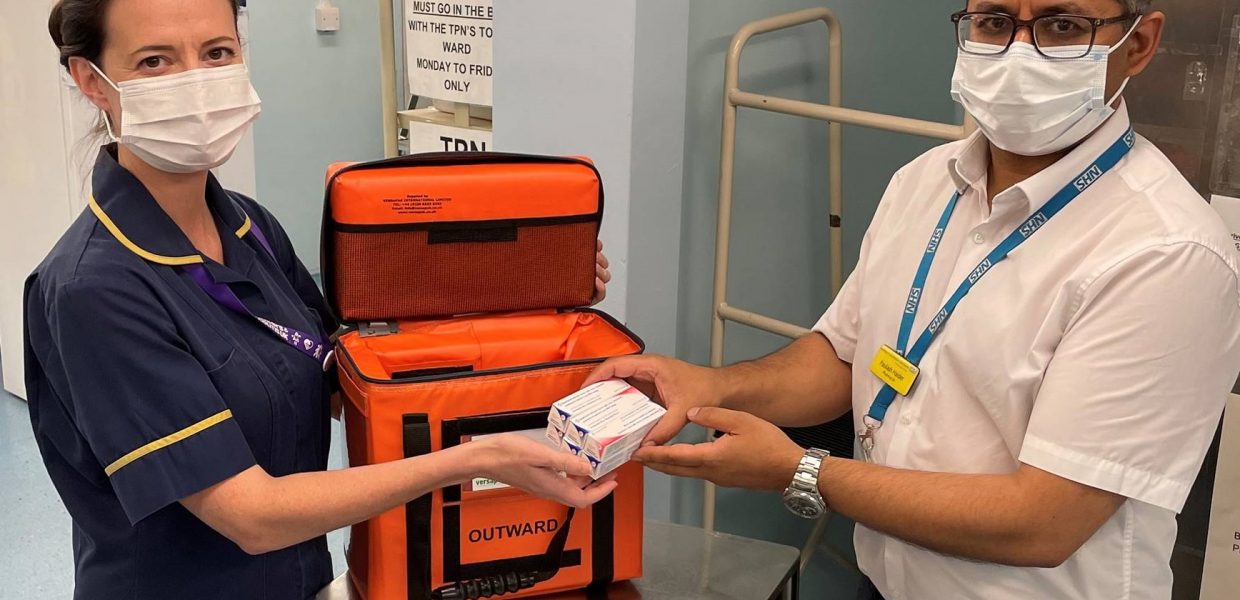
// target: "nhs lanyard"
[[312, 346], [910, 358]]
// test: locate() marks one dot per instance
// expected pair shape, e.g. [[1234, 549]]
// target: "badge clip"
[[866, 438]]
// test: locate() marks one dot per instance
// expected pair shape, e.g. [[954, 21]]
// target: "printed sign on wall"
[[448, 50], [1222, 564], [432, 137]]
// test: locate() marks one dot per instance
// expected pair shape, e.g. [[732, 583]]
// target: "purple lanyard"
[[310, 345]]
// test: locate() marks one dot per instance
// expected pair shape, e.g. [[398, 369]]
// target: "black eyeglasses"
[[1054, 36]]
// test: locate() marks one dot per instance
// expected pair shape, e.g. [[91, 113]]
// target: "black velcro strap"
[[417, 442], [603, 539], [436, 372], [472, 235]]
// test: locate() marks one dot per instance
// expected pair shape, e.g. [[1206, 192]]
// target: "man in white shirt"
[[1061, 409]]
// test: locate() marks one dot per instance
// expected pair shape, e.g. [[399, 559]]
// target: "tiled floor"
[[36, 557]]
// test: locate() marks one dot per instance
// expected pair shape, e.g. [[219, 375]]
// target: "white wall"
[[658, 142], [606, 79], [564, 85], [41, 162]]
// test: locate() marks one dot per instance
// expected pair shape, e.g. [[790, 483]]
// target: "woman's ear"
[[91, 83]]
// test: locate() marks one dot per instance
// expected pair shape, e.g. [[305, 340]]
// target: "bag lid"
[[443, 234]]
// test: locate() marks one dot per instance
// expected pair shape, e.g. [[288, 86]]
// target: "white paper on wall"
[[1221, 577], [449, 51], [433, 137]]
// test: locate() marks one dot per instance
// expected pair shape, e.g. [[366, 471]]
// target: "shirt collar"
[[969, 166], [129, 212], [1051, 180]]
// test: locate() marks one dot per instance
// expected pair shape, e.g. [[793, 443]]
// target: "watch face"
[[804, 506]]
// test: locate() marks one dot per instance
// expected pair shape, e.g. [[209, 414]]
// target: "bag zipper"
[[641, 348]]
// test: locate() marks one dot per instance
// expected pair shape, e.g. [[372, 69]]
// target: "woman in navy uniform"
[[177, 349]]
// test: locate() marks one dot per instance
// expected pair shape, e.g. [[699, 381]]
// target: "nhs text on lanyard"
[[898, 367]]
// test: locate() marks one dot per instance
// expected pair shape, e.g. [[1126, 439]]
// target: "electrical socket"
[[327, 19]]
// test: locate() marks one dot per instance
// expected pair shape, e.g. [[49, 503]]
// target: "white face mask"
[[1031, 105], [186, 122]]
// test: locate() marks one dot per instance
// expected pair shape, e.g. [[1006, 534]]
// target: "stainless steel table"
[[686, 563]]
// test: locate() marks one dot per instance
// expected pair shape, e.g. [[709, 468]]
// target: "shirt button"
[[906, 420], [979, 239]]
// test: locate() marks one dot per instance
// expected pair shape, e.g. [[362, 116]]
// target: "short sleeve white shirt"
[[1101, 350]]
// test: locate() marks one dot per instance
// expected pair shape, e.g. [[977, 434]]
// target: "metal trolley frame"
[[837, 115]]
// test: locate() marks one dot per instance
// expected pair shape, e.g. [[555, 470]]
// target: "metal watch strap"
[[806, 478]]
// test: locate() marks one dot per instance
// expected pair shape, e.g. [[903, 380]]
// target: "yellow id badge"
[[894, 370]]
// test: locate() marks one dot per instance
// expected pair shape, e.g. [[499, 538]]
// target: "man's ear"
[[1143, 43]]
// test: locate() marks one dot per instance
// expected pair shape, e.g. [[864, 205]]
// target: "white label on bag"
[[449, 51], [482, 485]]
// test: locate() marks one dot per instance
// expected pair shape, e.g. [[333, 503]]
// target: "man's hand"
[[677, 385], [753, 454]]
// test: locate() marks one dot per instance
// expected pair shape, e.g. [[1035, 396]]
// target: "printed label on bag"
[[482, 484], [417, 204]]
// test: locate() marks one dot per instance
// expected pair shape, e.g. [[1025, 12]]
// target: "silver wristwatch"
[[802, 497]]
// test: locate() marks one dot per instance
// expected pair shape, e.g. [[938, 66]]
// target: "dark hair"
[[77, 28]]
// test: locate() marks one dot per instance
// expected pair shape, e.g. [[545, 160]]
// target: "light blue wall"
[[898, 59], [321, 104]]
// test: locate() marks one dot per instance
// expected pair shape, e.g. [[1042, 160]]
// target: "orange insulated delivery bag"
[[461, 277]]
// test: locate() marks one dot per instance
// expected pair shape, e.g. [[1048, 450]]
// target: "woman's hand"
[[602, 276], [528, 465]]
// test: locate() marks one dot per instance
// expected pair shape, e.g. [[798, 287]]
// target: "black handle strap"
[[509, 583], [552, 560], [417, 442]]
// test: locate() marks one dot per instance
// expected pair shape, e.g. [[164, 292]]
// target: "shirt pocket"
[[248, 398]]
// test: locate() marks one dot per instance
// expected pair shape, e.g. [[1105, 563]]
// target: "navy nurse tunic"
[[143, 390]]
